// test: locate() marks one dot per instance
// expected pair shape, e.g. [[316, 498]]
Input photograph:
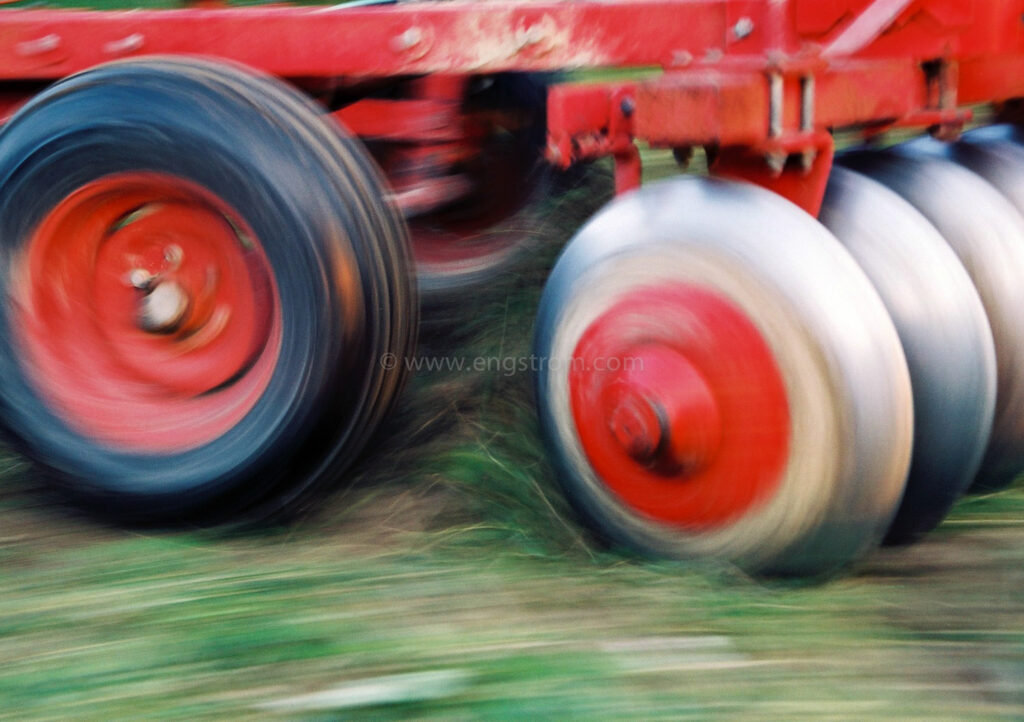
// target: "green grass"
[[452, 554]]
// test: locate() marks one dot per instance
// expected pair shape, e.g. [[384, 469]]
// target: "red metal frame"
[[428, 136], [762, 82]]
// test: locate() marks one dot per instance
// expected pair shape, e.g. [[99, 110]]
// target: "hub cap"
[[148, 312], [680, 407]]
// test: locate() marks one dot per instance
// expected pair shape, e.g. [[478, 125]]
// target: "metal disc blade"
[[987, 234], [847, 389], [945, 335]]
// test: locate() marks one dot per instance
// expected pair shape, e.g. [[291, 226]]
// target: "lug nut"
[[163, 309], [140, 278]]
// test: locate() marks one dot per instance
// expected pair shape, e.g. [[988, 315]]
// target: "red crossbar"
[[474, 37], [764, 76]]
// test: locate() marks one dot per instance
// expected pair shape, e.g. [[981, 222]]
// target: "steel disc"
[[987, 234], [736, 305], [945, 335], [996, 155]]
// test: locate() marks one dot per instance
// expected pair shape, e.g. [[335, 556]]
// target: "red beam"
[[988, 79], [700, 108], [411, 38], [468, 37], [866, 58], [731, 108], [474, 37], [851, 93]]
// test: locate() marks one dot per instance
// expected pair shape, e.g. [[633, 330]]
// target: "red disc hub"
[[680, 407], [636, 422], [148, 312], [661, 411]]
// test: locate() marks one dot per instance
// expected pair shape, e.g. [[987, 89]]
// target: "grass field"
[[449, 581]]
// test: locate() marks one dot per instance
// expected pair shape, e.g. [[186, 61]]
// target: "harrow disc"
[[994, 153], [987, 234], [203, 278], [945, 336], [720, 379]]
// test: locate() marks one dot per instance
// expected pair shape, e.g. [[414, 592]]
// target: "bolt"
[[776, 162], [39, 46], [163, 309], [554, 154], [627, 106], [407, 40], [807, 159], [681, 58], [743, 27], [140, 278]]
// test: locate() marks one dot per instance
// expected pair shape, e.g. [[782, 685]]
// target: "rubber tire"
[[313, 198], [845, 374]]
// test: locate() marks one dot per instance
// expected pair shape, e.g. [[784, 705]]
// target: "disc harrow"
[[814, 348]]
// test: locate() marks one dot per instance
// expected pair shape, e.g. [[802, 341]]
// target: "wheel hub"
[[157, 299], [679, 406], [638, 423], [662, 412]]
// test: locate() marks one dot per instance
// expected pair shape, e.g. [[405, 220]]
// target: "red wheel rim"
[[680, 407], [148, 313], [466, 236]]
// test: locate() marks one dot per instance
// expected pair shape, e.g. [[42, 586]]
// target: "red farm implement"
[[211, 218]]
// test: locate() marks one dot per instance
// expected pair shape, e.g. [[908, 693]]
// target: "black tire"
[[338, 256]]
